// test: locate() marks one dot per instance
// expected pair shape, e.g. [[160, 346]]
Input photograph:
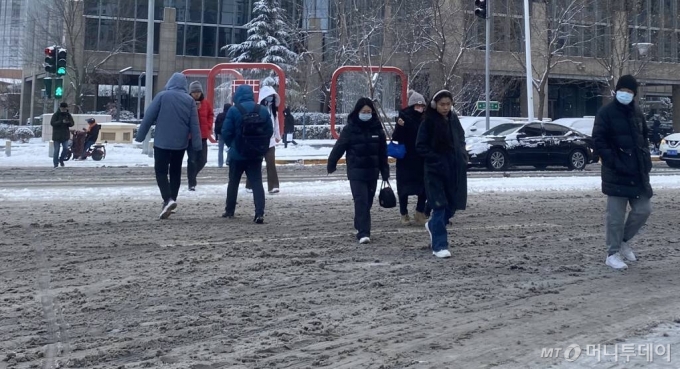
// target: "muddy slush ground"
[[104, 284]]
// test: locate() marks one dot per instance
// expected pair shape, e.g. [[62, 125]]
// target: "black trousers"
[[363, 193], [253, 171], [168, 162], [196, 162], [403, 204]]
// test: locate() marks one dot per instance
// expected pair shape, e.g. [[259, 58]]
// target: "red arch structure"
[[229, 67], [357, 68]]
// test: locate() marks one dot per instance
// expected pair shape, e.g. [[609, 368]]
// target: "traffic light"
[[58, 88], [480, 8], [50, 59], [61, 62], [48, 87]]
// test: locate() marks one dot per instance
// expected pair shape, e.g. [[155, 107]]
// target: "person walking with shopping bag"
[[441, 143], [364, 141]]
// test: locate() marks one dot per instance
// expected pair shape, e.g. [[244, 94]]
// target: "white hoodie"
[[269, 91]]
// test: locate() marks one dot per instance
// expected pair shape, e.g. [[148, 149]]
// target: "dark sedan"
[[536, 144]]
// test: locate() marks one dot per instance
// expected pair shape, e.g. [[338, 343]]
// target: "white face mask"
[[624, 97], [419, 109], [365, 116]]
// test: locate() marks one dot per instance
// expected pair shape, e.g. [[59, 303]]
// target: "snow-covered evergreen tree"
[[267, 40]]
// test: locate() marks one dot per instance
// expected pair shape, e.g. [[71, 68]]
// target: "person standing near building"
[[410, 168], [61, 121], [206, 116], [219, 122], [620, 139], [92, 136], [363, 139], [247, 131], [174, 113], [441, 143], [270, 99], [288, 128]]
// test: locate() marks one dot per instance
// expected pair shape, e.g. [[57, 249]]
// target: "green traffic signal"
[[61, 71], [58, 93]]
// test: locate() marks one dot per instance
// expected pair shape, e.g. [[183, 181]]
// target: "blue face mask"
[[365, 116], [624, 97]]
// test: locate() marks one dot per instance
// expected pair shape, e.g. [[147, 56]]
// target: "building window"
[[107, 35], [109, 8], [240, 35], [126, 36], [227, 12], [210, 12], [225, 39], [180, 10], [180, 39], [193, 40], [91, 7], [209, 41], [141, 37], [142, 9], [157, 38], [92, 29], [195, 11]]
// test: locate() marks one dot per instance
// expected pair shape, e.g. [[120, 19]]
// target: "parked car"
[[475, 126], [669, 150], [534, 144], [584, 125]]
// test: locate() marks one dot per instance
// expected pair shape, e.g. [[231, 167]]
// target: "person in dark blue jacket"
[[239, 162], [174, 113]]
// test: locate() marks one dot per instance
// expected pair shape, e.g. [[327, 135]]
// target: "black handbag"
[[386, 196]]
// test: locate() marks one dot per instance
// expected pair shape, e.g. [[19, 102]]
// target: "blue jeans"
[[55, 154], [87, 146], [220, 152], [437, 225], [253, 170]]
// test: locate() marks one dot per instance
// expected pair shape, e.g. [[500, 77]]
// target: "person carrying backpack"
[[247, 131], [219, 122]]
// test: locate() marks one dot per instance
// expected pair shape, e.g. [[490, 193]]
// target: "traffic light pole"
[[148, 86], [527, 52], [487, 57]]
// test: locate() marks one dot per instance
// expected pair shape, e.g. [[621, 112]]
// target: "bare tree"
[[560, 23], [61, 22]]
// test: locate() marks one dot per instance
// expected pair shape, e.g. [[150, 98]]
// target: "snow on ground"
[[36, 154], [313, 189]]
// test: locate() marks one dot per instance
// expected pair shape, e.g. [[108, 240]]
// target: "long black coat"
[[410, 169], [61, 122], [620, 139], [445, 171], [366, 148]]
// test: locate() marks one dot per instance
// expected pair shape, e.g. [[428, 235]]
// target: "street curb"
[[317, 161]]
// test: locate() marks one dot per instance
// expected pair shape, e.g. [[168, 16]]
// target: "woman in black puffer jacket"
[[363, 139]]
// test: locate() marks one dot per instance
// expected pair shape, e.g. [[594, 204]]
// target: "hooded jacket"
[[206, 117], [231, 129], [264, 93], [174, 113], [365, 145]]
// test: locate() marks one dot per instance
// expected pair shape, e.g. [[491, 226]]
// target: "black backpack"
[[253, 142]]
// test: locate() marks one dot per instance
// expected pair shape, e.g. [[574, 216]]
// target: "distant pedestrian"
[[288, 128], [247, 131], [620, 139], [410, 168], [219, 122], [92, 136], [206, 116], [363, 139], [271, 100], [61, 122], [441, 143], [656, 134], [174, 113]]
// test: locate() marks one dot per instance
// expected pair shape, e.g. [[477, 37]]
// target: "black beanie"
[[628, 82]]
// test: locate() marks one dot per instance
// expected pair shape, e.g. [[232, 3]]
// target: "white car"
[[475, 126], [584, 125], [670, 150]]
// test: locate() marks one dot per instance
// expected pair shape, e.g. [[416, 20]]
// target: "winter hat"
[[63, 105], [91, 120], [195, 86], [628, 82], [415, 98]]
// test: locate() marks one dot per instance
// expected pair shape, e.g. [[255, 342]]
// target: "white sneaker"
[[616, 262], [167, 209], [443, 254], [364, 240], [274, 190], [627, 252], [427, 226]]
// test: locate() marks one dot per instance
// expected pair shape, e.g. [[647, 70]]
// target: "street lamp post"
[[527, 52], [120, 83], [148, 86]]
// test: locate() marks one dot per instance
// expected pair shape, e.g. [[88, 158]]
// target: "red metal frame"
[[358, 68], [217, 69]]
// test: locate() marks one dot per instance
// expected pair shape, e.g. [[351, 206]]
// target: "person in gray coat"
[[174, 113]]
